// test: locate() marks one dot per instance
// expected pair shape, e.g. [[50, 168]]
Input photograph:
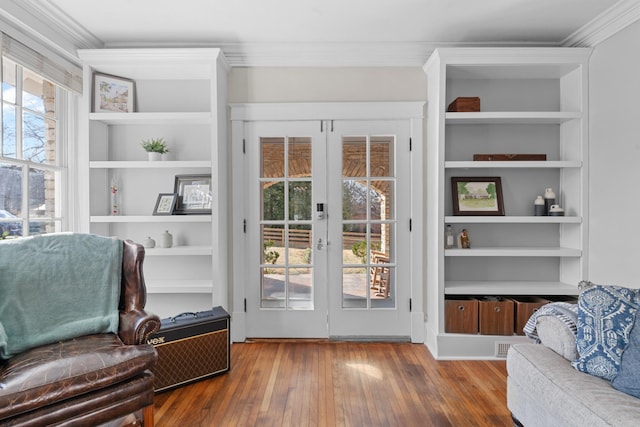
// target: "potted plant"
[[155, 147]]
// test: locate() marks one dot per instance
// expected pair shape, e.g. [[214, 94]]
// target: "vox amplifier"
[[191, 347]]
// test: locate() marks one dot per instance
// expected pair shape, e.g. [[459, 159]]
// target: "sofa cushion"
[[628, 378], [54, 372], [555, 334], [606, 315], [57, 286], [544, 390]]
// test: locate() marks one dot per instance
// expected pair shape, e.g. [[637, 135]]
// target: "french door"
[[327, 252]]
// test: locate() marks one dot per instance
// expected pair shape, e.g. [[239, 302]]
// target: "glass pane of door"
[[368, 183], [286, 187]]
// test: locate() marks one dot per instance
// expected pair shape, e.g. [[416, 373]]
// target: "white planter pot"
[[153, 156]]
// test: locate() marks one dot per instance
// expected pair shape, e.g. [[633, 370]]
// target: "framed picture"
[[194, 194], [165, 204], [112, 94], [477, 196]]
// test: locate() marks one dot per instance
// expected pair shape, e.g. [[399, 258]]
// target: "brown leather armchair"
[[89, 380]]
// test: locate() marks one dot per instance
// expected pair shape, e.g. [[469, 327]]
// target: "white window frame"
[[64, 117]]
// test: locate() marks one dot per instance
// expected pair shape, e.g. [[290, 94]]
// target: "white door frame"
[[241, 113]]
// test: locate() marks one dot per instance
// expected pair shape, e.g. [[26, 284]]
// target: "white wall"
[[327, 84], [614, 202]]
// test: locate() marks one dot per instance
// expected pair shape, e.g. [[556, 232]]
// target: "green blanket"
[[55, 287]]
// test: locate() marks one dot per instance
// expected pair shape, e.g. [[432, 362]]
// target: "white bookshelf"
[[181, 97], [533, 101]]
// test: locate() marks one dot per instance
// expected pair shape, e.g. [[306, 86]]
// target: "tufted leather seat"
[[91, 379]]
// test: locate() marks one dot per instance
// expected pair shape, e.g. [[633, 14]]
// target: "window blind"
[[60, 71]]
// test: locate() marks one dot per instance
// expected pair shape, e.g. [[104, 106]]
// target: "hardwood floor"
[[327, 383]]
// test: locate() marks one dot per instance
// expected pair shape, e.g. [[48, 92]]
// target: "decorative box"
[[461, 315], [465, 104], [525, 306], [496, 316]]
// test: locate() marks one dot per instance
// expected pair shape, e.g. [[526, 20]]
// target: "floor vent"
[[502, 348]]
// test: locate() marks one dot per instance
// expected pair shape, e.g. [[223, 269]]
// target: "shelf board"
[[150, 218], [144, 164], [553, 164], [511, 117], [508, 288], [179, 251], [178, 286], [151, 118], [514, 252], [513, 219]]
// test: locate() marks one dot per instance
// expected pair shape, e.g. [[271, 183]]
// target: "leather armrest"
[[135, 323], [136, 326]]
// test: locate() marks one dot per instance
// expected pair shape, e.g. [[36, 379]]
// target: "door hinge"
[[244, 226], [321, 126], [410, 144], [244, 146], [410, 224], [410, 304], [245, 305]]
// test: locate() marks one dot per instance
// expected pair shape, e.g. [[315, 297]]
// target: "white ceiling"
[[250, 21], [281, 27]]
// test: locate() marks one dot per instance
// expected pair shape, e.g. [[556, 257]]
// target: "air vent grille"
[[502, 348]]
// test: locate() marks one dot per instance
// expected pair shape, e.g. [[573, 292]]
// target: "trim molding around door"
[[241, 113]]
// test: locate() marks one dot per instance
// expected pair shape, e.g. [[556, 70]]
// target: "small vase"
[[154, 156], [149, 243], [166, 239], [549, 199]]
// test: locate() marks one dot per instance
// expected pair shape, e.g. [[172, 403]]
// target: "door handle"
[[320, 245]]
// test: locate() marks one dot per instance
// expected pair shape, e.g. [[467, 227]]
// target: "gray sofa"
[[543, 389]]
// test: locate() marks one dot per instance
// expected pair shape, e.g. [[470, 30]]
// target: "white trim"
[[380, 54], [330, 110], [41, 22], [608, 23]]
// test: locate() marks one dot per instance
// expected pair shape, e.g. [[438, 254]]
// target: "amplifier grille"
[[190, 359]]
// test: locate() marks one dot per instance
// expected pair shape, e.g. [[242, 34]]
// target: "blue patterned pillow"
[[606, 315]]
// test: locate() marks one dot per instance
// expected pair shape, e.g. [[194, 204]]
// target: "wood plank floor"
[[327, 383]]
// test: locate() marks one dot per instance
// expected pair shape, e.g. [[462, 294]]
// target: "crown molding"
[[605, 25], [331, 55], [46, 23]]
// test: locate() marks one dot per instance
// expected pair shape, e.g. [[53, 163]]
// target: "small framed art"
[[477, 196], [165, 204], [194, 194], [113, 94]]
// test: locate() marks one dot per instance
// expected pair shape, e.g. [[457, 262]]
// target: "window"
[[31, 148]]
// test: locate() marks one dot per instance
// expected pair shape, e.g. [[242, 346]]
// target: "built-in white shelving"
[[512, 219], [180, 95], [512, 165], [150, 218], [153, 118], [179, 287], [143, 164], [180, 251], [511, 117], [533, 101]]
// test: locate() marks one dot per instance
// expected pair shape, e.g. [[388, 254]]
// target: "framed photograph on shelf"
[[112, 94], [194, 194], [477, 196], [166, 204]]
